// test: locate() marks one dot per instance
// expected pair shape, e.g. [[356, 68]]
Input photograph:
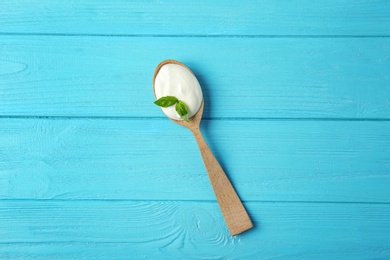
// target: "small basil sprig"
[[166, 101], [181, 107]]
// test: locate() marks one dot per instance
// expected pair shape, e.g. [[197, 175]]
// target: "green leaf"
[[166, 101], [182, 110]]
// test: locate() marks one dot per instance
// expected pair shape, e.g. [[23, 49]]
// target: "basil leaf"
[[166, 101], [182, 110]]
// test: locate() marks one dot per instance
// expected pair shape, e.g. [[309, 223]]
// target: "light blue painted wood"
[[289, 86], [267, 160], [261, 78], [245, 17], [190, 230]]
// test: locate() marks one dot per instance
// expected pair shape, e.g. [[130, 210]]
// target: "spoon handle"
[[233, 211]]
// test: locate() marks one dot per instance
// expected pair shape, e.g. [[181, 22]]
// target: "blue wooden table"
[[297, 111]]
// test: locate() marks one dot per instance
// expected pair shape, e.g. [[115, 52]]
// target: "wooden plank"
[[298, 17], [261, 78], [272, 160], [176, 230]]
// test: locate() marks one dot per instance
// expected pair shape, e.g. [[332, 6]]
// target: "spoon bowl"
[[233, 211]]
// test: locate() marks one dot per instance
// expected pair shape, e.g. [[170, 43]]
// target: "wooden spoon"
[[233, 211]]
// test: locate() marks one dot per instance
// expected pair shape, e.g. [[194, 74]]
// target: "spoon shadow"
[[207, 120], [233, 211]]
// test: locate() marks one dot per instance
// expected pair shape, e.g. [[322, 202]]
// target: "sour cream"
[[178, 81]]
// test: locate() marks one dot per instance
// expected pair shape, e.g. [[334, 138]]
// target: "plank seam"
[[205, 118], [193, 35], [198, 201]]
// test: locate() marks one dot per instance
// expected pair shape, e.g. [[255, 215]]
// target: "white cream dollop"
[[178, 81]]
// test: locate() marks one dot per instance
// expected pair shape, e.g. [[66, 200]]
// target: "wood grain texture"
[[297, 105], [274, 160], [233, 211], [298, 17], [191, 230], [262, 78]]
